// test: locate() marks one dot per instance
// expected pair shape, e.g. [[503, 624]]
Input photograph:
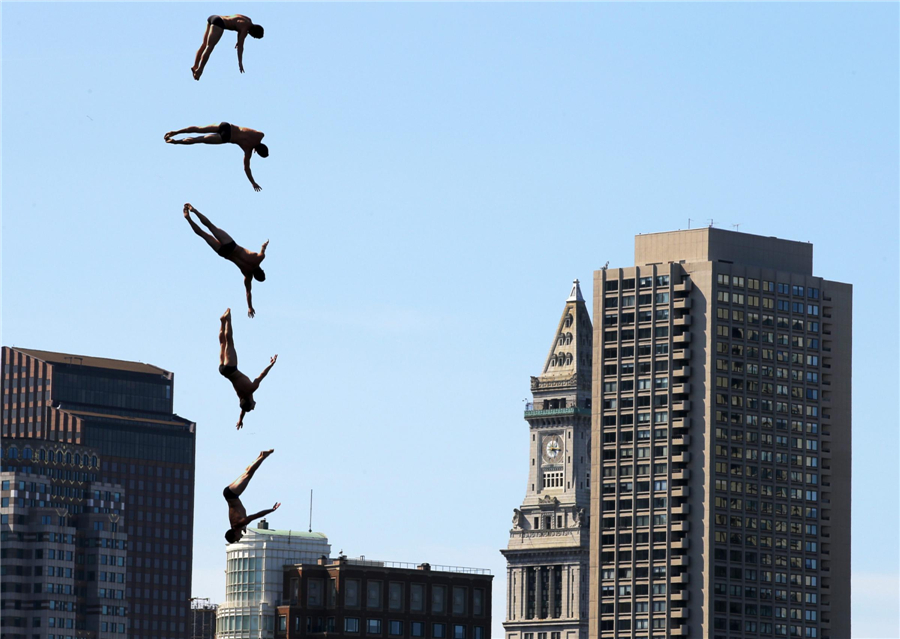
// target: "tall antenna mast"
[[310, 509]]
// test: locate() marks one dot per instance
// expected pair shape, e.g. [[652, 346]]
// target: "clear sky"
[[439, 174]]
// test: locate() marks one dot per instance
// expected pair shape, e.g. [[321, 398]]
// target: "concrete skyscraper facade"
[[722, 442], [547, 555], [123, 411]]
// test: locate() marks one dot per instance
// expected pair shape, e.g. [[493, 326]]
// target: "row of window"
[[12, 452], [374, 627], [765, 422], [626, 624], [795, 409], [767, 286], [396, 600], [644, 350], [767, 303], [629, 301], [643, 435], [627, 319], [643, 282]]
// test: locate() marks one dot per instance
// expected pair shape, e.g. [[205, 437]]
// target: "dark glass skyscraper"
[[124, 411]]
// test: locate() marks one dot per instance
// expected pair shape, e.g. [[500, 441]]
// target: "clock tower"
[[548, 552]]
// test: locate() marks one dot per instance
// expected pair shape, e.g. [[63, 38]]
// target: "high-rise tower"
[[547, 555], [722, 435], [123, 411]]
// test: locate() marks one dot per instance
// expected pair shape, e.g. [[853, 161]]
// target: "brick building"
[[124, 411], [359, 598]]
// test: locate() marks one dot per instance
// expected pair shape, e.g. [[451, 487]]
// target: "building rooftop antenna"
[[310, 509], [737, 227]]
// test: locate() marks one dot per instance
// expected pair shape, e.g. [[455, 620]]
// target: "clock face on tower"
[[552, 449]]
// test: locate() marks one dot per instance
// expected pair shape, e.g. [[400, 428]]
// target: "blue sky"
[[439, 173]]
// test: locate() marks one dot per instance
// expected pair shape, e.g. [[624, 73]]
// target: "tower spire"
[[571, 352], [575, 295]]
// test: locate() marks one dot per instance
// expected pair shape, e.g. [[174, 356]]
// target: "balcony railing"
[[551, 412]]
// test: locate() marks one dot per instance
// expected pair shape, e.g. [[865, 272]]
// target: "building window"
[[459, 598], [417, 629], [351, 593], [437, 599], [373, 594], [351, 624], [477, 601], [417, 597], [395, 596], [438, 631], [373, 626], [459, 631], [314, 592], [553, 479], [395, 628]]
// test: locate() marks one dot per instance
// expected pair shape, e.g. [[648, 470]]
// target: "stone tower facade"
[[548, 552]]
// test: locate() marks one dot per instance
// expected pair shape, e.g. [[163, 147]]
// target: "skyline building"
[[254, 575], [124, 411], [203, 618], [62, 544], [722, 435], [361, 597], [547, 555]]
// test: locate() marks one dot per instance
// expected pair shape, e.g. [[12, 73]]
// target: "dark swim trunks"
[[225, 132], [227, 371], [228, 494], [216, 21], [226, 249]]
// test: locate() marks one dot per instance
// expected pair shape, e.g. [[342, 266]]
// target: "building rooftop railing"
[[362, 561]]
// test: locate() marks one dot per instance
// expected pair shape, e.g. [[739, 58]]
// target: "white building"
[[254, 576], [548, 552]]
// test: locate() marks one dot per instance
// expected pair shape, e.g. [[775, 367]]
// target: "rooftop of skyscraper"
[[95, 362]]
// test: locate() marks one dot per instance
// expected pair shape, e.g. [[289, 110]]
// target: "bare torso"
[[237, 514], [237, 22], [247, 261], [246, 138], [242, 384]]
